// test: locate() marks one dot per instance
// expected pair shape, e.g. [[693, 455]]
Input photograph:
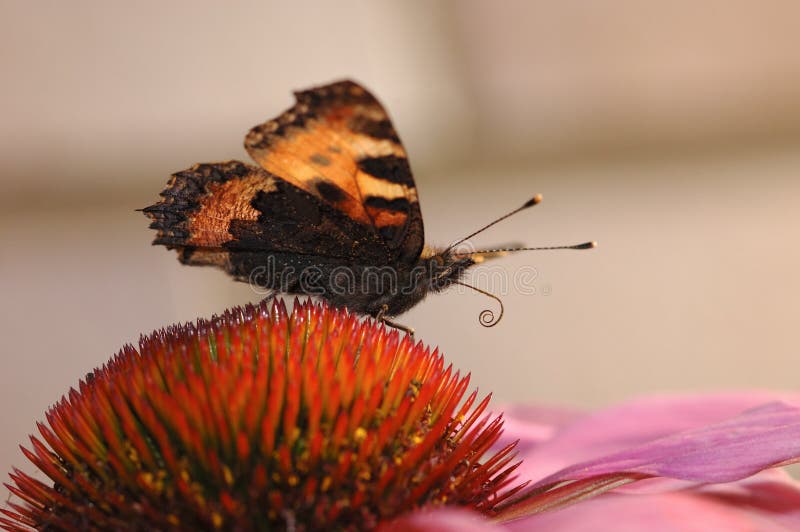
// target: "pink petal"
[[441, 520], [613, 429], [533, 425], [645, 431], [722, 452], [759, 504], [767, 502]]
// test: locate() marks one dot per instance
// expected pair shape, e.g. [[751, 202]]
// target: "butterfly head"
[[446, 268]]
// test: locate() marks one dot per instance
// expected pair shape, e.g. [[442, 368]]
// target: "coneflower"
[[263, 419], [319, 419]]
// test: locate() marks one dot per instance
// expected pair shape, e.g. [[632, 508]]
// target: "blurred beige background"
[[668, 133]]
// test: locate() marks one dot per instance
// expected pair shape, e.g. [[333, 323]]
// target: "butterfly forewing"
[[338, 143]]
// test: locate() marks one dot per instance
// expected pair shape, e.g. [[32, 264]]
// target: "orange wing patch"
[[209, 226], [198, 204]]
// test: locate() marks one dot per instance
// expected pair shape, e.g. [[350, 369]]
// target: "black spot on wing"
[[389, 168], [320, 159], [287, 204], [378, 129], [397, 204], [329, 192]]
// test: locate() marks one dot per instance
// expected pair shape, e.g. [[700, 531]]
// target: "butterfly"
[[331, 211]]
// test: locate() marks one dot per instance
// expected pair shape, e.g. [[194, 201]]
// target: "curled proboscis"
[[487, 317]]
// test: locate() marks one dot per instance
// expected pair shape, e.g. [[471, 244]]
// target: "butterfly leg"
[[269, 298], [380, 317]]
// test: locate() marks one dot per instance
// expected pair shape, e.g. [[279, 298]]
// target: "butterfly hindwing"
[[338, 144], [211, 212]]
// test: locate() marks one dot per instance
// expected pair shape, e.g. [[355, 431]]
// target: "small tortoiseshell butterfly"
[[330, 211]]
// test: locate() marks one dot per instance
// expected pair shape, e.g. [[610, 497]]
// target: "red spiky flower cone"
[[260, 419]]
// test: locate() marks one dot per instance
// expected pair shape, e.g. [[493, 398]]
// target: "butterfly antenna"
[[530, 203], [585, 245], [486, 317]]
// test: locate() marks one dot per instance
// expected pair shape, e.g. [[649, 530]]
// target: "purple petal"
[[722, 452]]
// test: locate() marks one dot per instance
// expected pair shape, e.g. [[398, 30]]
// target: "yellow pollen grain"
[[359, 434], [326, 484], [216, 520], [132, 453], [155, 482], [228, 475], [173, 520], [293, 480], [295, 434]]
